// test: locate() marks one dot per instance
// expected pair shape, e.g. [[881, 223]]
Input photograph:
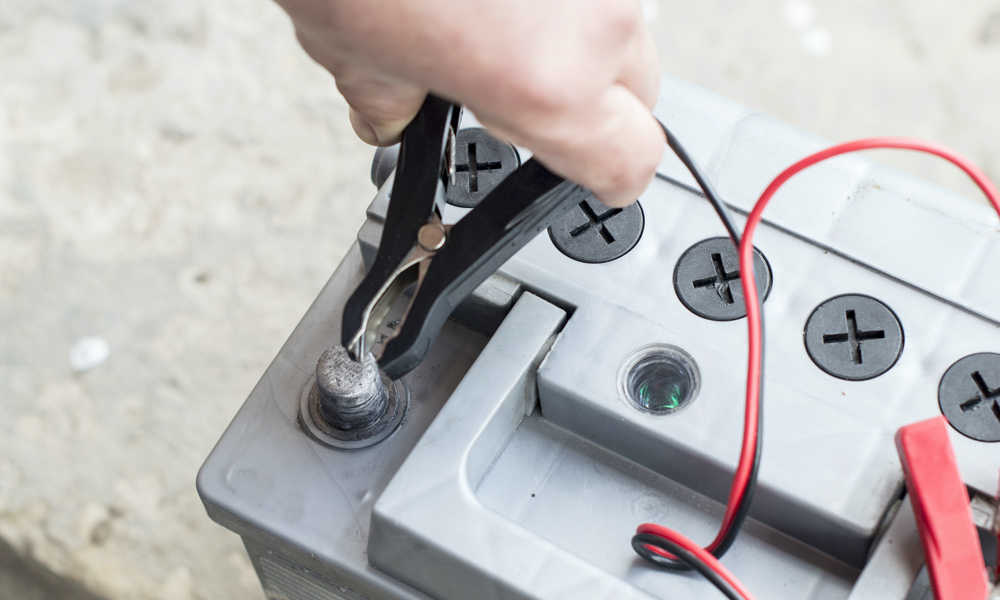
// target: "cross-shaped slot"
[[985, 395], [596, 220], [720, 280], [473, 166], [853, 337]]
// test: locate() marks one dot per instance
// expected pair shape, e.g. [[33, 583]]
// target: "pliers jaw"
[[431, 237], [443, 263], [424, 169]]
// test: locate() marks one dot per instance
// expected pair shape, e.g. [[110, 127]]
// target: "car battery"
[[596, 382]]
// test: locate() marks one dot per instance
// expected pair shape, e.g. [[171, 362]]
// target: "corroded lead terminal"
[[351, 393], [351, 404]]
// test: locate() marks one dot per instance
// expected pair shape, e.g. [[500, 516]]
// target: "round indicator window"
[[659, 379]]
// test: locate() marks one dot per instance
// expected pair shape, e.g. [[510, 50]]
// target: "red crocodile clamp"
[[954, 557]]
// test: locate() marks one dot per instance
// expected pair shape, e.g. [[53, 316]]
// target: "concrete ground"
[[177, 181]]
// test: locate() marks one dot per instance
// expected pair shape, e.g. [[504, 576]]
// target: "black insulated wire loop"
[[643, 543]]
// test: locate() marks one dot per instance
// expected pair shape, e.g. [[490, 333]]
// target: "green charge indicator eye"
[[660, 379], [658, 397]]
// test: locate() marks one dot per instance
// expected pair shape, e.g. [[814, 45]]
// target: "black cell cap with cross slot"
[[482, 161], [969, 396], [707, 279], [595, 233], [853, 337]]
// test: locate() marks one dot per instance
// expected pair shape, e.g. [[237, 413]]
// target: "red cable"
[[702, 554], [756, 350]]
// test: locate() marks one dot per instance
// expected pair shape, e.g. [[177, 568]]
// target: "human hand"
[[572, 80]]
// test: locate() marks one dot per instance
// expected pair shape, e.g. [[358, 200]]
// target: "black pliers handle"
[[446, 262]]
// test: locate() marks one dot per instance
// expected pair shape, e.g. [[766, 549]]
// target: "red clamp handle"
[[954, 557]]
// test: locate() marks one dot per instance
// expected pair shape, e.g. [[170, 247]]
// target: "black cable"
[[741, 514], [736, 526], [642, 541], [706, 187]]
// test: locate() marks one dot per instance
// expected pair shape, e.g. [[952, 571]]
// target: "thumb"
[[381, 106], [380, 109]]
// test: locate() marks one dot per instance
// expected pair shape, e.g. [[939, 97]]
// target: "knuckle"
[[644, 168], [628, 175], [306, 42], [541, 89], [541, 82]]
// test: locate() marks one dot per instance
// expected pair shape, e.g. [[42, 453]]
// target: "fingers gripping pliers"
[[444, 262]]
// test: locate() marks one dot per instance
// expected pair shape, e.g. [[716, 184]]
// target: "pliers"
[[445, 262]]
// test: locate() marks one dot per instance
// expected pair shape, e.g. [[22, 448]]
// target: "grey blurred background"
[[177, 181]]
